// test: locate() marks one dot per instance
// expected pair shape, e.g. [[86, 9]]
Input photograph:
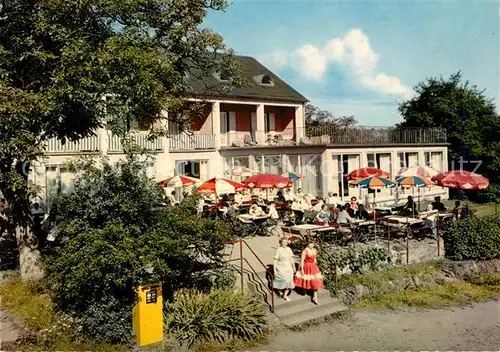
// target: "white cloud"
[[353, 51]]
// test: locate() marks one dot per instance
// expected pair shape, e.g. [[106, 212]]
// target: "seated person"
[[318, 206], [438, 205], [238, 198], [225, 198], [323, 215], [349, 209], [344, 218], [457, 210], [280, 197], [362, 213], [206, 213], [354, 203], [410, 208], [255, 210], [273, 213], [332, 200]]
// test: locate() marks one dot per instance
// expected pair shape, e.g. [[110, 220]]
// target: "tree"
[[60, 58], [471, 121], [111, 236], [316, 119]]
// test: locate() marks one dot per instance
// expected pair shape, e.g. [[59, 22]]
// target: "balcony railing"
[[141, 139], [191, 142], [374, 135], [85, 145], [326, 135]]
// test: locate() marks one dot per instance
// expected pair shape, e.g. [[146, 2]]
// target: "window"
[[311, 170], [427, 158], [267, 80], [58, 178], [343, 164], [273, 164], [192, 168], [269, 121], [437, 161], [258, 164], [371, 160]]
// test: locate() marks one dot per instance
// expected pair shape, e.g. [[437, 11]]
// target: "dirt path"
[[469, 328]]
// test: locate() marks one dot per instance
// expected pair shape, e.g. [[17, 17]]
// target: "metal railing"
[[141, 139], [241, 259], [374, 135], [88, 144], [193, 141], [325, 135]]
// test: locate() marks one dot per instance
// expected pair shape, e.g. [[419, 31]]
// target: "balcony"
[[85, 145], [140, 138], [373, 135], [330, 135], [190, 142]]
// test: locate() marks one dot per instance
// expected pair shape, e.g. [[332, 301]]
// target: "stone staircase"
[[299, 310]]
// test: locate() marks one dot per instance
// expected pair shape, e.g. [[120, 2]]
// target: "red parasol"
[[366, 172], [178, 181], [267, 181], [461, 179], [220, 186]]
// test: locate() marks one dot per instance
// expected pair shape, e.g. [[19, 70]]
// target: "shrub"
[[473, 239], [112, 237], [195, 317], [351, 258]]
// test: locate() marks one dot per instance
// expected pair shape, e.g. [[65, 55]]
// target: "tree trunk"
[[30, 259]]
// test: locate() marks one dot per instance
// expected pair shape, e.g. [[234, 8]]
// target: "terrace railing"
[[85, 145], [374, 135], [141, 139], [185, 141]]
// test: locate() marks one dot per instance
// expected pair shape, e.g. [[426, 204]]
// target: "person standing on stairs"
[[284, 269], [309, 277]]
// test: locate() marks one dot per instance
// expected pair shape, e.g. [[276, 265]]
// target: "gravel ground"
[[471, 328]]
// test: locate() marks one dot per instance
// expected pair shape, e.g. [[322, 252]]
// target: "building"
[[261, 126]]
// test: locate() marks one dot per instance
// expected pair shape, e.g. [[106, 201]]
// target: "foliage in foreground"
[[59, 59], [112, 237], [196, 317], [473, 239], [48, 329]]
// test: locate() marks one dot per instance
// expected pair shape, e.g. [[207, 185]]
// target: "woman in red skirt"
[[309, 276]]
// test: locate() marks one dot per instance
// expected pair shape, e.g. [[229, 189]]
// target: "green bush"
[[196, 317], [352, 258], [473, 239], [113, 236]]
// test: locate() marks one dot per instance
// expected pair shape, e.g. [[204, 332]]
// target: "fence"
[[186, 141]]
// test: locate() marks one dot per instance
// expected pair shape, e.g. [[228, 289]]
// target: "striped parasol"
[[366, 172], [178, 182], [414, 181], [422, 171], [292, 176], [220, 186], [373, 182]]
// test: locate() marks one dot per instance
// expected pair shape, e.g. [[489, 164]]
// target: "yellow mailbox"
[[147, 315]]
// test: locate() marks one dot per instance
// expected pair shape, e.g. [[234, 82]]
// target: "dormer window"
[[267, 80], [222, 77], [264, 80]]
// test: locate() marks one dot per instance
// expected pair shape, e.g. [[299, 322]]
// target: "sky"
[[363, 58]]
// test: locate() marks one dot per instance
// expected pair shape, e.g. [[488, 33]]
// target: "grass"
[[377, 279], [481, 209], [475, 289], [32, 305]]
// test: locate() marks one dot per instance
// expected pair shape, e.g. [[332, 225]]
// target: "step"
[[316, 312], [300, 309]]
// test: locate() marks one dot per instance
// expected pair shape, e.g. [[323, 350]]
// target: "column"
[[327, 170], [216, 124], [163, 166], [299, 123], [261, 125]]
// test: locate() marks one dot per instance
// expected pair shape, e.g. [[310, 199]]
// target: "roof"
[[251, 69]]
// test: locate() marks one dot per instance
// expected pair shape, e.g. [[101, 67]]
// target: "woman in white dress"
[[284, 270]]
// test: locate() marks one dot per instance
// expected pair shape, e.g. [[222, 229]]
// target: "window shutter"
[[272, 122], [223, 122], [232, 121]]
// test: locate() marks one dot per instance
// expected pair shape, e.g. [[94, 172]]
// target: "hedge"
[[473, 239]]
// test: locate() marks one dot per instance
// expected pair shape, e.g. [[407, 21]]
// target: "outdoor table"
[[404, 220], [257, 222]]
